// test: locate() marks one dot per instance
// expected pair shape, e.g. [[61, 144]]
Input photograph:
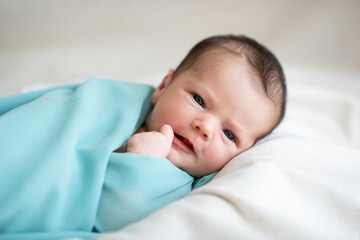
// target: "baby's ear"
[[163, 85]]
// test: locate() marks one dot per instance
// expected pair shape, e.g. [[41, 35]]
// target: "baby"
[[227, 93], [71, 165]]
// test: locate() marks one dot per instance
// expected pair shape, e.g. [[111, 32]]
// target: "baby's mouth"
[[185, 141]]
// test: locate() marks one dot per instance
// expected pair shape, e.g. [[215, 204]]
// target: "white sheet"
[[301, 182]]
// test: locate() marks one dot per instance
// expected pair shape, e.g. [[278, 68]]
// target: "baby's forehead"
[[218, 56], [212, 62], [215, 55], [210, 59]]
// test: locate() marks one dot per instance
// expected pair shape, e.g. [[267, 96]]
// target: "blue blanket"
[[59, 176]]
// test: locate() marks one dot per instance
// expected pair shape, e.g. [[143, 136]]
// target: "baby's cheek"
[[217, 158]]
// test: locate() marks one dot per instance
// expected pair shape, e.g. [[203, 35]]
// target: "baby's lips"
[[185, 141]]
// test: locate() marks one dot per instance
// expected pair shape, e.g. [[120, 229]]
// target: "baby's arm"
[[157, 144]]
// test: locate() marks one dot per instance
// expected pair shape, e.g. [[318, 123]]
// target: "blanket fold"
[[56, 153]]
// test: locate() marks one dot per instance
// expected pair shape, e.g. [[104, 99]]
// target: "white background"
[[60, 41]]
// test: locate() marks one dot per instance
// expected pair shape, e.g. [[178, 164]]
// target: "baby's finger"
[[167, 131]]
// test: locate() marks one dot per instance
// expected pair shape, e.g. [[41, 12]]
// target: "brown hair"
[[263, 63]]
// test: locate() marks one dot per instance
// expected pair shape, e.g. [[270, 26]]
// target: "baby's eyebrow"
[[207, 92], [211, 94], [236, 128]]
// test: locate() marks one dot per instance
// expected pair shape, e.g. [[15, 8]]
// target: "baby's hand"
[[157, 144]]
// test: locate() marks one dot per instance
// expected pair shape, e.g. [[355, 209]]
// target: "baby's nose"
[[204, 128]]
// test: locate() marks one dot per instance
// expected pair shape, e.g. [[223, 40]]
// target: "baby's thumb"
[[167, 131]]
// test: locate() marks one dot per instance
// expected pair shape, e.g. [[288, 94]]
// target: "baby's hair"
[[262, 62]]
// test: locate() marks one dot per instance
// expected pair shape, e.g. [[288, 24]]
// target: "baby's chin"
[[175, 159], [184, 163], [179, 161]]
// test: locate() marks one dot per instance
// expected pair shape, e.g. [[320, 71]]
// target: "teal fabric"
[[148, 184], [198, 182], [59, 176], [55, 235]]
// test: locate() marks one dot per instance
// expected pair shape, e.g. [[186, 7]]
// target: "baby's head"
[[226, 94]]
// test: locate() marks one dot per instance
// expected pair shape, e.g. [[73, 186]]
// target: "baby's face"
[[216, 113]]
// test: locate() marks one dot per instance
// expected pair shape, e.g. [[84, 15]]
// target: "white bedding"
[[301, 182]]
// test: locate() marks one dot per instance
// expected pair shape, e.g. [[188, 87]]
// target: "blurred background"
[[56, 42]]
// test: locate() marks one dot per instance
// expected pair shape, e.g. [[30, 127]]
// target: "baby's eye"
[[229, 135], [198, 100]]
